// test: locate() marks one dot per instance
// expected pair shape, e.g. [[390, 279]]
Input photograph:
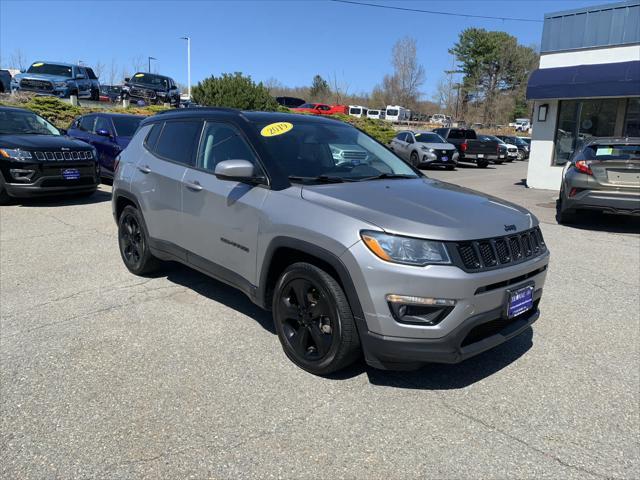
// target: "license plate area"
[[625, 177], [481, 155], [519, 300], [70, 173]]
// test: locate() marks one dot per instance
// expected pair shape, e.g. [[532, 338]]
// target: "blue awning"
[[583, 81]]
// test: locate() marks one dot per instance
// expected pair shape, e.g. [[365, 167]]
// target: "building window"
[[632, 118], [579, 120]]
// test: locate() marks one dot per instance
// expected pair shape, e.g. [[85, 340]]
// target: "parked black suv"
[[151, 88], [36, 159]]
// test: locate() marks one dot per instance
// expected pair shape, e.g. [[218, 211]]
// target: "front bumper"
[[48, 179], [474, 336], [479, 297], [612, 201]]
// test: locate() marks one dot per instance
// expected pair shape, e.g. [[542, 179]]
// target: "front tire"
[[414, 159], [133, 241], [5, 199], [520, 155], [314, 321]]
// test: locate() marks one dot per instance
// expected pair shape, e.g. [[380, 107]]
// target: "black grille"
[[491, 253], [503, 251], [487, 254], [469, 256], [142, 92], [33, 84]]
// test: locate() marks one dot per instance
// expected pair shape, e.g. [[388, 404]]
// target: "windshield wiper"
[[386, 176], [318, 178]]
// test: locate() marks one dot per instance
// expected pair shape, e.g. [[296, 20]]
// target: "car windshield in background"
[[392, 113], [611, 152], [150, 79], [126, 126], [355, 111], [24, 123], [50, 69], [374, 112], [427, 137], [319, 152]]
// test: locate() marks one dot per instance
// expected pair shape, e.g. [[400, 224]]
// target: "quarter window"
[[86, 123], [153, 135], [178, 141]]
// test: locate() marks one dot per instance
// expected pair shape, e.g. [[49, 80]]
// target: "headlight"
[[15, 154], [60, 84], [405, 250]]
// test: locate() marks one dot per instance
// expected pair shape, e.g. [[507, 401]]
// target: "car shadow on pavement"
[[471, 165], [603, 222], [63, 201], [218, 292], [434, 376]]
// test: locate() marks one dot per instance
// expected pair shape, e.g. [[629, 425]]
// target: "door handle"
[[144, 168], [195, 186]]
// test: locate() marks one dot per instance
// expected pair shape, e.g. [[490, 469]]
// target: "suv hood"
[[438, 146], [423, 208], [41, 76], [38, 142]]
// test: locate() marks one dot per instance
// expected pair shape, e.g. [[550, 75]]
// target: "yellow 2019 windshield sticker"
[[277, 128], [138, 75], [39, 64]]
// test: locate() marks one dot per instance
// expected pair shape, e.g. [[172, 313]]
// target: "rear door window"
[[178, 141], [103, 123]]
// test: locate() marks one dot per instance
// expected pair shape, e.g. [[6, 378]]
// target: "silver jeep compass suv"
[[354, 256]]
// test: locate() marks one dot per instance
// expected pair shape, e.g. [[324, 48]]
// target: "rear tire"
[[449, 167], [483, 164], [314, 321], [133, 241], [564, 217]]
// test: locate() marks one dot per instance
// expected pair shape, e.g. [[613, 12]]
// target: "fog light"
[[22, 175], [408, 299], [419, 310]]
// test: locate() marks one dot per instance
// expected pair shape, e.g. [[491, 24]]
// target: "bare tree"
[[340, 89], [17, 60], [113, 72], [408, 75], [137, 63], [98, 68], [273, 85]]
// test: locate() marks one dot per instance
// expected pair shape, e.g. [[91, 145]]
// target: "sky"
[[287, 40]]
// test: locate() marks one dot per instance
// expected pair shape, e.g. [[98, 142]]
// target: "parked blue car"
[[109, 133]]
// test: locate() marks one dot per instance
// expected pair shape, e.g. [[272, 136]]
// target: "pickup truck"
[[58, 79], [471, 148], [321, 109]]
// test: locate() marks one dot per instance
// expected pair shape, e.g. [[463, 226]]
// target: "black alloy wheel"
[[133, 243], [314, 320]]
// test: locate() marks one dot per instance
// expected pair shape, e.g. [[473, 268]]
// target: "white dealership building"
[[588, 84]]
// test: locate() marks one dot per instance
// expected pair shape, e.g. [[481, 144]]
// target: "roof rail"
[[192, 109]]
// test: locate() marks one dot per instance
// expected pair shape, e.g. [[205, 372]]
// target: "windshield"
[[307, 105], [373, 112], [126, 126], [392, 113], [427, 137], [150, 79], [24, 123], [50, 69], [339, 151]]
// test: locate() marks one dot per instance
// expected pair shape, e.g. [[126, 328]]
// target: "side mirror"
[[103, 133], [23, 70], [238, 170], [63, 131], [127, 79], [410, 140]]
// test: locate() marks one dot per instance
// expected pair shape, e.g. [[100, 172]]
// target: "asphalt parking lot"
[[107, 375]]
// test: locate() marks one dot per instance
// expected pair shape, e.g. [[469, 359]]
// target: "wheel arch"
[[284, 251], [120, 200]]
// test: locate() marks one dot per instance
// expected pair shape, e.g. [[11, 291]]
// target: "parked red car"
[[321, 109]]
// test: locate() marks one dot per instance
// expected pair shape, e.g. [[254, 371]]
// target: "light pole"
[[188, 39], [150, 58]]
